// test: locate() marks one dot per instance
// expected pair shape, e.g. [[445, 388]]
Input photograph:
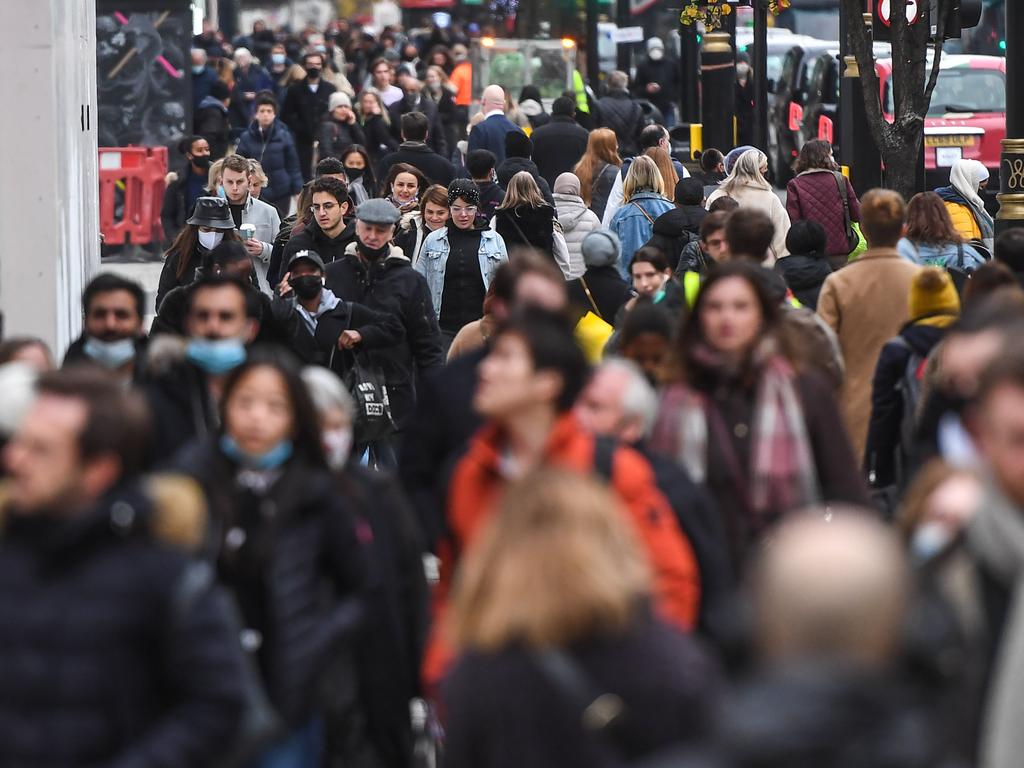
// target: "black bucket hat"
[[212, 212]]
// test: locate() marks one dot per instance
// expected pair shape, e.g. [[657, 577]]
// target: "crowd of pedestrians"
[[462, 440]]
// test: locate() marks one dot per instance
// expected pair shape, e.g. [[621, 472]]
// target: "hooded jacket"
[[765, 199], [675, 229], [211, 122], [117, 646], [422, 157], [476, 486], [276, 152], [392, 285], [312, 238], [577, 222], [513, 165], [804, 273]]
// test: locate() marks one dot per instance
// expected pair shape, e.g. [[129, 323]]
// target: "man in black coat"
[[675, 229], [376, 274], [305, 105], [415, 101], [415, 151], [560, 144], [211, 119], [117, 649], [184, 378], [319, 323], [657, 80], [623, 115], [480, 164], [518, 149]]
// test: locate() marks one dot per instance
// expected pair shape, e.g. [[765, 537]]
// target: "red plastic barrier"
[[131, 194]]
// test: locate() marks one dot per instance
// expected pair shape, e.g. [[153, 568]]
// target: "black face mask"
[[202, 162], [306, 287], [354, 173], [373, 254], [313, 73]]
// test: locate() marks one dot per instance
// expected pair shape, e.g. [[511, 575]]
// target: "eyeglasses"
[[325, 207], [468, 211]]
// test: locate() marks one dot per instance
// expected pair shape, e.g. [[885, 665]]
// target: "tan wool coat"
[[866, 303]]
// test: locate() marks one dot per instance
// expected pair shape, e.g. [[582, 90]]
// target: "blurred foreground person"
[[586, 640], [116, 649], [527, 385], [285, 546], [743, 417], [830, 595]]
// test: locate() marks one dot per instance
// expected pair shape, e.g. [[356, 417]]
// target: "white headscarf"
[[965, 177]]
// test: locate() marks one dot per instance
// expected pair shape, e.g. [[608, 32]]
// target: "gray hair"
[[618, 80], [639, 399], [327, 391]]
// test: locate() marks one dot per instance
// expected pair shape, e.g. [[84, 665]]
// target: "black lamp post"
[[1011, 166]]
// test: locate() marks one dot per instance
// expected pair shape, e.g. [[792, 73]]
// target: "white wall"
[[49, 212]]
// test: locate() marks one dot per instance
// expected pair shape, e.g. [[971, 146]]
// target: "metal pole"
[[622, 19], [689, 74], [760, 74], [593, 58], [718, 91], [1011, 166]]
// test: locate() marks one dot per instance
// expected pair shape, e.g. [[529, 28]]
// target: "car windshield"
[[962, 90]]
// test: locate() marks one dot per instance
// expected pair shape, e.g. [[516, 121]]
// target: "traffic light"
[[963, 15]]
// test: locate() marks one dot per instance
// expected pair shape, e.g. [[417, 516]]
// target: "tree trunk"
[[912, 82]]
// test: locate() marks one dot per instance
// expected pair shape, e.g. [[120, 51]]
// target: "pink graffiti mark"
[[172, 71]]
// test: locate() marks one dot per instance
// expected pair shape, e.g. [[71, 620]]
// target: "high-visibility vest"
[[580, 89], [691, 287]]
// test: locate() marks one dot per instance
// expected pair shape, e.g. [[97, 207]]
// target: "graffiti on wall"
[[143, 79]]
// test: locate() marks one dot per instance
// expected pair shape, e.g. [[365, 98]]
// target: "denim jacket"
[[633, 227], [434, 257]]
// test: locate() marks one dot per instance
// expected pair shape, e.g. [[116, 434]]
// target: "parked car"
[[785, 115], [966, 117]]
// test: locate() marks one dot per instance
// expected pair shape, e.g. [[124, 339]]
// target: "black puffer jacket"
[[624, 116], [527, 227], [297, 572], [180, 404], [392, 285], [675, 229], [107, 659], [804, 274], [513, 165]]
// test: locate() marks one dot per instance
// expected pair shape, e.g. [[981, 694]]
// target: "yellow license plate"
[[949, 141]]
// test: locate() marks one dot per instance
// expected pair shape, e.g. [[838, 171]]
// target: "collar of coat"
[[872, 254]]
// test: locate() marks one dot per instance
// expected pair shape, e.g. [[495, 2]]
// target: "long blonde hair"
[[669, 177], [746, 171], [643, 176], [557, 562], [522, 190], [602, 149]]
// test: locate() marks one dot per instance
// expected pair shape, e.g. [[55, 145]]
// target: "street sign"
[[628, 35], [885, 12]]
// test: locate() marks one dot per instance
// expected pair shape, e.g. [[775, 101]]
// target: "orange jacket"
[[476, 487], [462, 79]]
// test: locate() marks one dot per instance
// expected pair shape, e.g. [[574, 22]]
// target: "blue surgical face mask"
[[216, 356], [221, 193], [110, 354], [197, 69], [272, 459], [277, 58]]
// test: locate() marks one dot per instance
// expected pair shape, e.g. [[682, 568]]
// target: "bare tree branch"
[[945, 8], [862, 51]]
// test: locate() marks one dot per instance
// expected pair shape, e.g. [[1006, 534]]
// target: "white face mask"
[[656, 54], [337, 446], [210, 240]]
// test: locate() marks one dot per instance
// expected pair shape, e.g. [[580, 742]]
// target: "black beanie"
[[518, 144], [806, 237]]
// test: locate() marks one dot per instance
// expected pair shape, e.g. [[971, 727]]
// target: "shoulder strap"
[[590, 297], [960, 255], [841, 183], [597, 711], [604, 456], [645, 213]]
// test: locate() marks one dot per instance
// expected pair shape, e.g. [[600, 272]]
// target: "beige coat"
[[749, 196], [866, 303]]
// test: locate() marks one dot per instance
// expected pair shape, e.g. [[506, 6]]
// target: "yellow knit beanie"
[[932, 293]]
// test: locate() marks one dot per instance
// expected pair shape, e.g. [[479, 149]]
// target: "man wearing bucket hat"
[[375, 273], [209, 224]]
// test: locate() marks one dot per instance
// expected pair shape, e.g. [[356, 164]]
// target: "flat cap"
[[377, 211]]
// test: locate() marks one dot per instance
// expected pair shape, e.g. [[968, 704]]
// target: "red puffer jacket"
[[814, 195]]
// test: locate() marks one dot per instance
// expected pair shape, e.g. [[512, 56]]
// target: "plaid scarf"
[[781, 476]]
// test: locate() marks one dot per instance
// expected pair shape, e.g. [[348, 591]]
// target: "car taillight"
[[796, 116]]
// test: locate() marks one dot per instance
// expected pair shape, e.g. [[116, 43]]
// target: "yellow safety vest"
[[580, 89]]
